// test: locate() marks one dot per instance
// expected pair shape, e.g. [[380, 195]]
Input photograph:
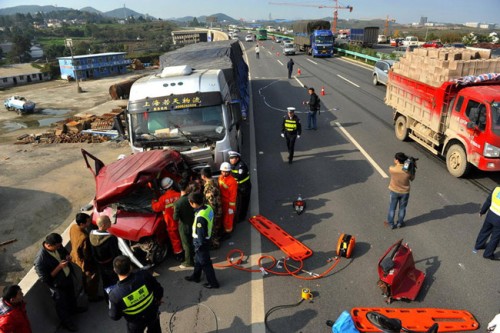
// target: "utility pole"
[[69, 44]]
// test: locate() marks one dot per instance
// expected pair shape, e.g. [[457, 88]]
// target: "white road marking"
[[281, 63], [257, 282], [343, 78], [368, 157], [311, 61]]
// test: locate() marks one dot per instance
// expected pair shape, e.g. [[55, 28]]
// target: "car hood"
[[116, 180]]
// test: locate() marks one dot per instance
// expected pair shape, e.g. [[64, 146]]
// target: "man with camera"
[[402, 172]]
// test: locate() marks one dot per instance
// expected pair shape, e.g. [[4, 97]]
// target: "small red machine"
[[398, 277]]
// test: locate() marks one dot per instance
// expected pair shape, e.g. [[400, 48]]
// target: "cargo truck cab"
[[475, 122]]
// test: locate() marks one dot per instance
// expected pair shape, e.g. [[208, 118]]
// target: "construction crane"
[[336, 7], [386, 26]]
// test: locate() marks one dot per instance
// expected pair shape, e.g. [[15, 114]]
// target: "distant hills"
[[119, 13]]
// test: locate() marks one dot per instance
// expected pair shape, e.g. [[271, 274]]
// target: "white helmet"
[[166, 183], [225, 166]]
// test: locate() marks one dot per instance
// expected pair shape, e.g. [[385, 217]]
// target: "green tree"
[[20, 51], [194, 23]]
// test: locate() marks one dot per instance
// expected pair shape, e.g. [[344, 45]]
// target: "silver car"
[[381, 71]]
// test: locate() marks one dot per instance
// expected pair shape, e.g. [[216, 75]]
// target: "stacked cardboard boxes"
[[435, 66]]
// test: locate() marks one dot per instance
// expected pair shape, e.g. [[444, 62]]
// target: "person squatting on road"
[[229, 192], [291, 130], [314, 106], [13, 316], [202, 230], [257, 51], [53, 266], [136, 297], [212, 195], [399, 190], [184, 215], [289, 66], [81, 253], [165, 204], [105, 248], [241, 173], [491, 225]]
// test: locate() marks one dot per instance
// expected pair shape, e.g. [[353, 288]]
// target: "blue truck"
[[314, 38]]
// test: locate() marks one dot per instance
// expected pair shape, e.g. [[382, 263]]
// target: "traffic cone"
[[298, 71], [322, 91]]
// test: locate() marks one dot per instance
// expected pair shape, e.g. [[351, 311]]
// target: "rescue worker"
[[137, 297], [104, 249], [53, 266], [81, 253], [13, 316], [202, 231], [184, 215], [242, 175], [291, 130], [165, 204], [212, 196], [491, 226], [229, 191]]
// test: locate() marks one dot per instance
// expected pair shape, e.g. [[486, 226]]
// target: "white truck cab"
[[185, 109]]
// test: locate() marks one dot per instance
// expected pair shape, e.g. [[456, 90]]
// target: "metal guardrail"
[[357, 55]]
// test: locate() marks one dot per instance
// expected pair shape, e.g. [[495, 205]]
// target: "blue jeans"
[[311, 120], [395, 198]]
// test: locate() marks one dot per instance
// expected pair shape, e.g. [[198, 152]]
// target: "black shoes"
[[191, 278], [210, 286], [492, 258]]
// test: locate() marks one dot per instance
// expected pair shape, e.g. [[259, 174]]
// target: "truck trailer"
[[194, 104], [366, 37], [314, 38], [452, 115]]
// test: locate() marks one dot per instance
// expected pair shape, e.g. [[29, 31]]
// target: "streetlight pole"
[[69, 44]]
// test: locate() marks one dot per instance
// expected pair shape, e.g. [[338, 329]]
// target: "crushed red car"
[[124, 191]]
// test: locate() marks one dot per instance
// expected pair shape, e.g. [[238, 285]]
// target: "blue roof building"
[[93, 66]]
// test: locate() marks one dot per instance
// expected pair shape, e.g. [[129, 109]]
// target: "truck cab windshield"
[[197, 125], [323, 40]]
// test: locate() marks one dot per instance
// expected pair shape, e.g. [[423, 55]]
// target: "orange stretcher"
[[419, 319], [292, 247]]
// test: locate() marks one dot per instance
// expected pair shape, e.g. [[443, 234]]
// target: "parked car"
[[396, 41], [433, 44], [401, 50], [381, 71], [124, 191], [289, 48], [249, 38], [455, 45]]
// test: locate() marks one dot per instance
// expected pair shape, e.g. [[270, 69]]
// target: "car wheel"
[[456, 161], [159, 253], [375, 80]]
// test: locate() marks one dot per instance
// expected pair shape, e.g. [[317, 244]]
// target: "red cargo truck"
[[459, 120]]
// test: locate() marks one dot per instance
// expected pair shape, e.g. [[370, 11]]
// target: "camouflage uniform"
[[212, 196]]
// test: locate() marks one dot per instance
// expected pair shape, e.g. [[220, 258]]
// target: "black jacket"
[[45, 263], [127, 287], [314, 104], [104, 246]]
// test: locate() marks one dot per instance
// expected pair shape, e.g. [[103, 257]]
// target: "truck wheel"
[[375, 80], [401, 129], [456, 161]]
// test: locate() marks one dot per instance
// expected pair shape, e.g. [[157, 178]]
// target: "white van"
[[410, 40]]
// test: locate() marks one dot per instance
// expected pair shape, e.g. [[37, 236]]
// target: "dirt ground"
[[43, 186]]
